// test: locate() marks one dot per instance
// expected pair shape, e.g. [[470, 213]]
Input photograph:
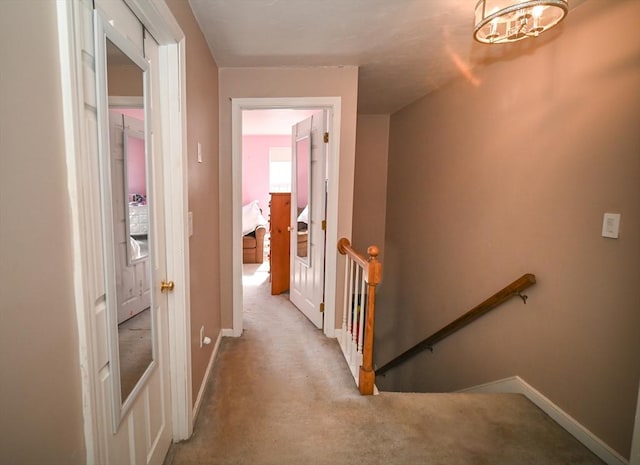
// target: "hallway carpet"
[[282, 395]]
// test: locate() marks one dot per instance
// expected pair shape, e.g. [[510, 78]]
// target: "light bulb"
[[494, 26], [537, 11]]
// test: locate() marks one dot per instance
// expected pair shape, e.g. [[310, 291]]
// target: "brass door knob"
[[166, 286]]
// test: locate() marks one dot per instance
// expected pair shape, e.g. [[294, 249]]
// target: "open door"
[[308, 216]]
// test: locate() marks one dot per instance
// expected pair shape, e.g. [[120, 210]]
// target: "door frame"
[[81, 179], [333, 106]]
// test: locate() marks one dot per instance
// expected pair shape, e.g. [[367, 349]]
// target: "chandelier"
[[501, 21]]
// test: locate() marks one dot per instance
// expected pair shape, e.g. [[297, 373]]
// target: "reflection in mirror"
[[130, 220], [135, 188], [303, 181]]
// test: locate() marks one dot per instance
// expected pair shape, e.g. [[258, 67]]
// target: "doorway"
[[266, 177], [332, 106], [269, 192]]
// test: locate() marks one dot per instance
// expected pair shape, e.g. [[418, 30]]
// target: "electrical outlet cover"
[[611, 225]]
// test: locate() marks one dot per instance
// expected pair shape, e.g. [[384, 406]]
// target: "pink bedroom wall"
[[136, 167], [137, 113], [255, 167], [136, 179]]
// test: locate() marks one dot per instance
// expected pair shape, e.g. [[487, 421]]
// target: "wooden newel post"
[[367, 376]]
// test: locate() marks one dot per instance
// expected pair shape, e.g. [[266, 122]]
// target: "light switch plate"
[[611, 225], [199, 152]]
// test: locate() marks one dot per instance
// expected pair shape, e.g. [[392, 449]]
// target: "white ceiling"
[[272, 122], [404, 48]]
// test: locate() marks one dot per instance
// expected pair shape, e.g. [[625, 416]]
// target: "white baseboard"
[[517, 385], [214, 353], [635, 442], [228, 332]]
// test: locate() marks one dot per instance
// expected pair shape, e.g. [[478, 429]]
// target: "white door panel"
[[307, 246], [156, 415]]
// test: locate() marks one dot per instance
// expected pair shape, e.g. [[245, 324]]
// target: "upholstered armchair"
[[253, 246]]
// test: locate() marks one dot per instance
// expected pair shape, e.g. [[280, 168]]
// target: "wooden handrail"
[[344, 247], [513, 289], [373, 272]]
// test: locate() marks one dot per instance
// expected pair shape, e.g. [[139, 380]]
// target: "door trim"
[[157, 18], [333, 105], [635, 440], [69, 15], [174, 120]]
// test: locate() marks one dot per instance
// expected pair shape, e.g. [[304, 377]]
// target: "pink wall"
[[137, 113], [255, 167], [136, 175]]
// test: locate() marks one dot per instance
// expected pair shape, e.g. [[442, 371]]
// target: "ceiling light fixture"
[[501, 21]]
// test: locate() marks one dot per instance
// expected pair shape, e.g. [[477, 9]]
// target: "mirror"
[[121, 75], [131, 234], [303, 189]]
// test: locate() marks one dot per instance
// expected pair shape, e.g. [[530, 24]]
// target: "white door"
[[308, 215], [136, 388], [155, 404]]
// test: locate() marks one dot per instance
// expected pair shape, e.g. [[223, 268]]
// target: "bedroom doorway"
[[266, 171], [271, 197], [298, 109]]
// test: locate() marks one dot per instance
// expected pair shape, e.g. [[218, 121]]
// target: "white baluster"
[[363, 303], [349, 313], [347, 274], [354, 318]]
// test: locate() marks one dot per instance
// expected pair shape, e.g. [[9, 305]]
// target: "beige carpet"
[[282, 394]]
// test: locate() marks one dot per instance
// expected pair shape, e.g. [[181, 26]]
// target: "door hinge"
[[324, 225], [326, 137], [322, 307]]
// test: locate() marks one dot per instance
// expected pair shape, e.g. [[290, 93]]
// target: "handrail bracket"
[[524, 297]]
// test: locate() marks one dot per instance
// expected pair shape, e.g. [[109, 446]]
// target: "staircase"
[[362, 275], [283, 394]]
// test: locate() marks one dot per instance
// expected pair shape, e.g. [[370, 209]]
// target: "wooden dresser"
[[279, 221]]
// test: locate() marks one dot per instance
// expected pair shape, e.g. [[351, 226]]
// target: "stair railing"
[[362, 275], [512, 290]]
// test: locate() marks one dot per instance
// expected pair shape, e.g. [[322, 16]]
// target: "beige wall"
[[202, 126], [370, 182], [40, 393], [283, 82], [125, 80], [487, 183]]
